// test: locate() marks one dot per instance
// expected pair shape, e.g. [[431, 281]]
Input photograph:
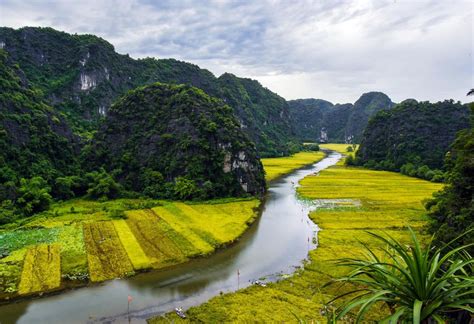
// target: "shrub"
[[102, 186], [33, 195], [185, 189], [417, 284]]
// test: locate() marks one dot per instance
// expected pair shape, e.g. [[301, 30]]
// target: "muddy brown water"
[[276, 244]]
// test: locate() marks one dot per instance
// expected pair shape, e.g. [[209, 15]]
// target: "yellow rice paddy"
[[277, 167]]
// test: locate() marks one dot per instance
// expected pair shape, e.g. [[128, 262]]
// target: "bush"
[[418, 284], [153, 183], [8, 212], [33, 195], [349, 160], [311, 147], [68, 187], [185, 189], [102, 186]]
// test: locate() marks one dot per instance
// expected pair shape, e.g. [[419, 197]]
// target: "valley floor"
[[352, 201], [80, 241]]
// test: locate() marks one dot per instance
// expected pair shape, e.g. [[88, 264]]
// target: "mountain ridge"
[[82, 75], [321, 120]]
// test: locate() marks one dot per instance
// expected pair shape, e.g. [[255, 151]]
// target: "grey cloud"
[[330, 49]]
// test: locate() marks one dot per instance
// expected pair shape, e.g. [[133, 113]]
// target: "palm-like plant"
[[417, 284]]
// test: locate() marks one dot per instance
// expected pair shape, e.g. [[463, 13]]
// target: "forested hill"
[[314, 119], [175, 141], [82, 75], [34, 139], [413, 137]]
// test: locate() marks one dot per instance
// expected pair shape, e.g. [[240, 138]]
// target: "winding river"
[[276, 244]]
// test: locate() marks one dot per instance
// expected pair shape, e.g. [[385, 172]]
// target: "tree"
[[33, 195], [417, 284], [68, 187], [452, 209], [153, 183], [185, 188], [102, 185]]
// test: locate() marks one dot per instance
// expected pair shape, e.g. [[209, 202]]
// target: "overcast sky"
[[331, 49]]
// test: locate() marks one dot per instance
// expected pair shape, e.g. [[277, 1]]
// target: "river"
[[276, 244]]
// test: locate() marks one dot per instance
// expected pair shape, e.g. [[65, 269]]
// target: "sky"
[[332, 49]]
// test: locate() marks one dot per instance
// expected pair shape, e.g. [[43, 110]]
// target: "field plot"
[[73, 251], [160, 250], [41, 269], [106, 256], [88, 241], [179, 222], [135, 253], [277, 167], [10, 272], [389, 202], [208, 225]]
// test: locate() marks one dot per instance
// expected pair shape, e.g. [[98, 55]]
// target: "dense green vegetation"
[[36, 146], [452, 209], [176, 142], [320, 120], [82, 75], [413, 138]]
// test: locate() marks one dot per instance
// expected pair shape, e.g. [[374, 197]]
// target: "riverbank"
[[352, 201], [81, 242]]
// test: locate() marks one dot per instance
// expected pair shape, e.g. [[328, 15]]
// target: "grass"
[[389, 203], [277, 167], [94, 245], [41, 269]]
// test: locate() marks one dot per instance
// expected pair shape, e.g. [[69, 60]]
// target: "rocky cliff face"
[[320, 120], [178, 131], [82, 75]]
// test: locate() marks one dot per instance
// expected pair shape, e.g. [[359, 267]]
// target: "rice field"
[[277, 167], [389, 202], [106, 256], [80, 241], [341, 148], [41, 269]]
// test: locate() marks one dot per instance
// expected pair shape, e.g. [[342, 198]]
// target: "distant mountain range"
[[320, 120]]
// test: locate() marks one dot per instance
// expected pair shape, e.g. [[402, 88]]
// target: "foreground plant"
[[417, 284]]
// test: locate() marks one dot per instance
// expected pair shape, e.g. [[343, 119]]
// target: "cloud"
[[334, 50]]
